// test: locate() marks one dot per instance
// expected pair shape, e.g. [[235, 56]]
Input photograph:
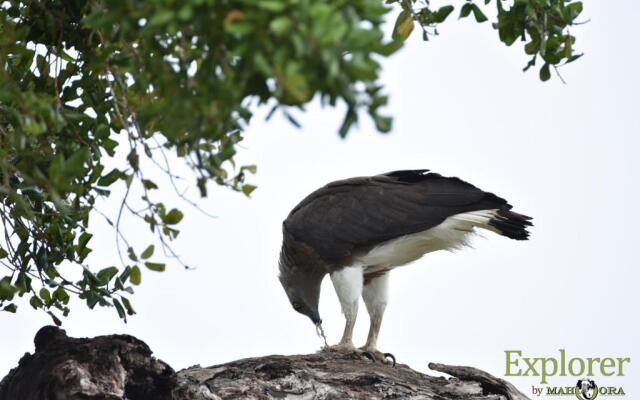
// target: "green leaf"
[[74, 165], [545, 73], [173, 217], [136, 275], [186, 12], [127, 305], [125, 274], [442, 13], [403, 26], [109, 146], [12, 308], [120, 309], [132, 254], [281, 25], [272, 5], [250, 168], [573, 58], [134, 160], [92, 299], [105, 275], [202, 186], [3, 253], [158, 267], [55, 319], [117, 283], [383, 124], [532, 47], [161, 17], [148, 252], [240, 28], [84, 239], [350, 118], [81, 249], [389, 48], [466, 9], [531, 63], [45, 295], [102, 131], [36, 302], [568, 46], [61, 295], [23, 283], [149, 185], [111, 177], [572, 11], [248, 189], [7, 290], [478, 14]]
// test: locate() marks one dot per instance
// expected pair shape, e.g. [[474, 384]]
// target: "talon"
[[369, 355], [392, 357]]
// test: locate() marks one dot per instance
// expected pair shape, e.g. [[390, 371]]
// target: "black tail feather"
[[511, 224]]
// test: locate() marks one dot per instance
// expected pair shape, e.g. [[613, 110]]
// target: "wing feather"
[[346, 217]]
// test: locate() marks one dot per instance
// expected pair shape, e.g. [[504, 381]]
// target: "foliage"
[[93, 91], [542, 24]]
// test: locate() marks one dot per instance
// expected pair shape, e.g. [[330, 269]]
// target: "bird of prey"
[[358, 229]]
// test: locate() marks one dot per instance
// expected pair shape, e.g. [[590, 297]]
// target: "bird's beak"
[[315, 318]]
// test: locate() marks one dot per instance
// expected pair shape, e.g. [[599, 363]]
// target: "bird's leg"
[[374, 329], [375, 298], [348, 285], [350, 314]]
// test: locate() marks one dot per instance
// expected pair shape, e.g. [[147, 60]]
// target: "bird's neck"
[[297, 254]]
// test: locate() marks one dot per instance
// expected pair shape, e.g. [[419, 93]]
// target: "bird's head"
[[303, 290], [301, 274]]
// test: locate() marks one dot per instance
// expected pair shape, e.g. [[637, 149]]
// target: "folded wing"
[[350, 216]]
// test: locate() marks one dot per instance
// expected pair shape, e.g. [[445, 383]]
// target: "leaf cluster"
[[93, 91], [94, 94], [542, 24]]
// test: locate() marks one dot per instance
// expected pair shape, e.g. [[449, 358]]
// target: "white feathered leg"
[[348, 285], [375, 296]]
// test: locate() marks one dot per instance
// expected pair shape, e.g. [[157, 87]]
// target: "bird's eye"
[[296, 306]]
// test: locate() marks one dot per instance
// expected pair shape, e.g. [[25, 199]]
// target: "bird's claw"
[[366, 352], [369, 355], [376, 356], [390, 356]]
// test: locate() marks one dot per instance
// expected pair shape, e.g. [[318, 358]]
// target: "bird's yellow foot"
[[377, 356]]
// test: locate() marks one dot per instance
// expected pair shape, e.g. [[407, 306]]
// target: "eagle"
[[357, 230]]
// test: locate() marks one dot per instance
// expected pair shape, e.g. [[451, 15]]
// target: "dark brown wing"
[[352, 215]]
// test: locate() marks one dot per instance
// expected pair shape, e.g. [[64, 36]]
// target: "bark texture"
[[122, 367], [106, 367]]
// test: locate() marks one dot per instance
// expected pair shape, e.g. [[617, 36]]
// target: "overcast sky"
[[565, 154]]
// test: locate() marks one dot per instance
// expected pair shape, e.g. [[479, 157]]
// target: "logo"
[[586, 389], [555, 372]]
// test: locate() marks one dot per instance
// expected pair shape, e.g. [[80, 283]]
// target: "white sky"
[[566, 155]]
